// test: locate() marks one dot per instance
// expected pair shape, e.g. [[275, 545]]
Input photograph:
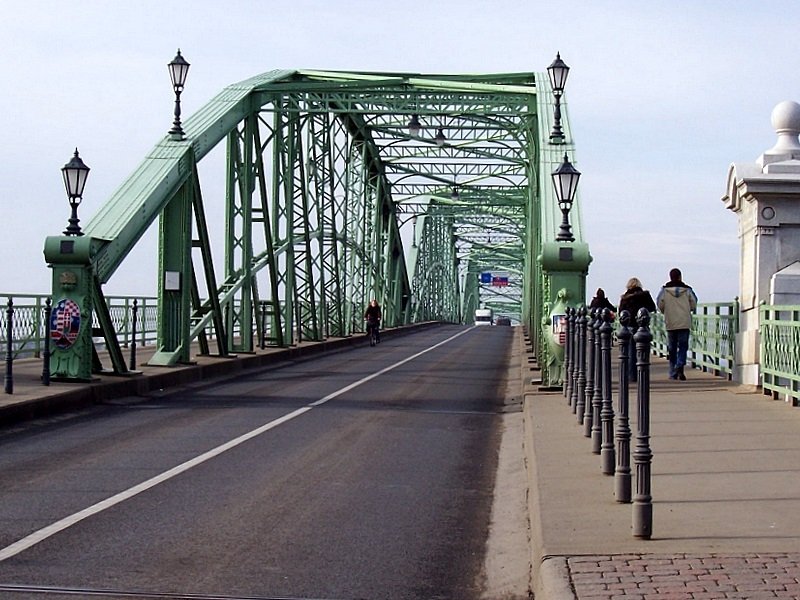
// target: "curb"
[[554, 581], [550, 574]]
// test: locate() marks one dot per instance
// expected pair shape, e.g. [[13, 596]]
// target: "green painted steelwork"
[[780, 360], [322, 181], [713, 337]]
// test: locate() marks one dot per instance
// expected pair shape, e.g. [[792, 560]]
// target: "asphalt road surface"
[[363, 474]]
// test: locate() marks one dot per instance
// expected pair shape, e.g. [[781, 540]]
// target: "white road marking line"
[[49, 531], [385, 370]]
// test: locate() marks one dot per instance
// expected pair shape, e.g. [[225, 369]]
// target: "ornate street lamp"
[[75, 173], [414, 126], [440, 139], [565, 180], [178, 70], [558, 71]]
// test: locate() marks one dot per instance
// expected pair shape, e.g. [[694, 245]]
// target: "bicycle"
[[373, 333]]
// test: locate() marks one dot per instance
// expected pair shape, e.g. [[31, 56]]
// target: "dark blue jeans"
[[677, 348]]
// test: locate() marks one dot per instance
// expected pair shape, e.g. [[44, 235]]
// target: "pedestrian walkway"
[[725, 489]]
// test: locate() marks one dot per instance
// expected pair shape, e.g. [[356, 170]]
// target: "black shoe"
[[681, 376]]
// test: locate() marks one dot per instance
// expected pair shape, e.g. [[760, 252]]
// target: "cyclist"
[[373, 318]]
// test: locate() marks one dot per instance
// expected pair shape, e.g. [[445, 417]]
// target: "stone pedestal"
[[765, 195], [784, 288]]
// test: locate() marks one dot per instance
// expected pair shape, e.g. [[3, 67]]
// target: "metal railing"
[[28, 329], [713, 336], [712, 345], [780, 351]]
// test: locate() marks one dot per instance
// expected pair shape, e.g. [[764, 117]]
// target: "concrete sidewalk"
[[725, 489]]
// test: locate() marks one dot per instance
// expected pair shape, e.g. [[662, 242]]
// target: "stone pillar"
[[765, 195]]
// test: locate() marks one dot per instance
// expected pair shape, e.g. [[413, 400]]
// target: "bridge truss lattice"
[[330, 199]]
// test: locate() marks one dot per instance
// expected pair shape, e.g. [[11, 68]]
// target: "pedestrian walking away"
[[677, 301], [632, 300], [600, 302]]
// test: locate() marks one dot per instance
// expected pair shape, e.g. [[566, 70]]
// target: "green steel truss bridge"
[[330, 199]]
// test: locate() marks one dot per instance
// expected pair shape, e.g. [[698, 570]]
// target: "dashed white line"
[[49, 531]]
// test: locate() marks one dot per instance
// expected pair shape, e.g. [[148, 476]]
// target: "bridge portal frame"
[[323, 162]]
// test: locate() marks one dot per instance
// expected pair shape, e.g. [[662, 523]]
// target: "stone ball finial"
[[786, 122], [786, 115]]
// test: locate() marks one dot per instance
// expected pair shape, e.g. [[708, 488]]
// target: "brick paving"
[[752, 576]]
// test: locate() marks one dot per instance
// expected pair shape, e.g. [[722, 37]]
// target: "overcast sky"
[[662, 98]]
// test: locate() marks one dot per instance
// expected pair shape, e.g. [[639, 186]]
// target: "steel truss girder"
[[391, 104], [321, 172]]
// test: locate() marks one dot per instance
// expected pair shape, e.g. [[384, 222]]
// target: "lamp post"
[[565, 180], [75, 173], [178, 70], [414, 126], [558, 71]]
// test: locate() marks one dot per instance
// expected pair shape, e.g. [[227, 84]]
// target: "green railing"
[[780, 351], [28, 328], [711, 348], [712, 342]]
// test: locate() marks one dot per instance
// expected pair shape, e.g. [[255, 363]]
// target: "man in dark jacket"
[[677, 301]]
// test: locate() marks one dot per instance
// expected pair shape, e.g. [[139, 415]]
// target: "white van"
[[483, 316]]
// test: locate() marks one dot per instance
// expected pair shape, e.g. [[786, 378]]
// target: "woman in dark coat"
[[632, 300]]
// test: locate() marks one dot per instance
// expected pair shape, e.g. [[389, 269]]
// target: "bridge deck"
[[725, 485]]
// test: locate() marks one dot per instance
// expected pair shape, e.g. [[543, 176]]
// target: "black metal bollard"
[[580, 399], [642, 455], [607, 451], [622, 475], [262, 331], [597, 394], [566, 387], [135, 311], [46, 358], [9, 379], [573, 399], [589, 392]]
